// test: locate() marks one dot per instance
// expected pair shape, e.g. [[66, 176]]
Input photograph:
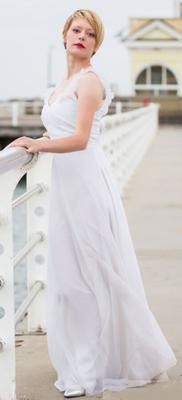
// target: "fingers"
[[45, 134], [27, 143], [22, 142]]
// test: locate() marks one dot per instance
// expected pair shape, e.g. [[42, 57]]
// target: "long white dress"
[[101, 332]]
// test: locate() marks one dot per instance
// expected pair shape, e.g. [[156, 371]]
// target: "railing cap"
[[13, 157]]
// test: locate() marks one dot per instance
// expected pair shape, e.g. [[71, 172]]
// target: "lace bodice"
[[59, 117]]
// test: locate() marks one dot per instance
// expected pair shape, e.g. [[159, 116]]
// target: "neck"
[[74, 66]]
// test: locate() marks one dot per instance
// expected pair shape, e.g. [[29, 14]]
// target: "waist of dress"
[[92, 141]]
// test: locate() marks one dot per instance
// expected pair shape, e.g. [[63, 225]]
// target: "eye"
[[75, 30], [91, 34]]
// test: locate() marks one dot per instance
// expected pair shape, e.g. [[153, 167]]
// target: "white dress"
[[101, 332]]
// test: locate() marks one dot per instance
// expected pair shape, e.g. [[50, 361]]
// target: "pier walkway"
[[153, 204]]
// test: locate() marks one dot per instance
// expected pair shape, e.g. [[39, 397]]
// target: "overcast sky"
[[29, 27]]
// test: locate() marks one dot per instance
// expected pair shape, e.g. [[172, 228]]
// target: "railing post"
[[7, 307], [118, 105], [15, 112], [37, 218]]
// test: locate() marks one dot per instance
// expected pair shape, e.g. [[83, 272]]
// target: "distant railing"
[[15, 113], [126, 138]]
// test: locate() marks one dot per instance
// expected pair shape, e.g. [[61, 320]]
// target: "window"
[[171, 80], [142, 77], [167, 92], [144, 92], [156, 74], [180, 9], [157, 80]]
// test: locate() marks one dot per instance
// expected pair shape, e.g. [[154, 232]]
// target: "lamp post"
[[49, 65]]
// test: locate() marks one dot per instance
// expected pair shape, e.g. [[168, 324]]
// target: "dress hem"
[[122, 383]]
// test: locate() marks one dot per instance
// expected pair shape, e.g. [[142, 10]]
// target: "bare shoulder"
[[91, 83]]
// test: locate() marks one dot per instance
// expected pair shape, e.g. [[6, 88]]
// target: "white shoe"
[[162, 377], [75, 391]]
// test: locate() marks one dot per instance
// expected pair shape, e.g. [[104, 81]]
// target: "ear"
[[64, 41]]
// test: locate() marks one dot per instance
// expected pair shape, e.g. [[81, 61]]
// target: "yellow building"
[[155, 46]]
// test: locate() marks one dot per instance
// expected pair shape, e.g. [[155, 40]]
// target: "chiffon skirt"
[[101, 333]]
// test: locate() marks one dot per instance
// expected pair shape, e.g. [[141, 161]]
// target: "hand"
[[31, 145], [45, 135]]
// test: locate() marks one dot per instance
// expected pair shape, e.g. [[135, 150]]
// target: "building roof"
[[153, 29]]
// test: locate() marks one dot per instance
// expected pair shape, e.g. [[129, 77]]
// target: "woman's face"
[[80, 38]]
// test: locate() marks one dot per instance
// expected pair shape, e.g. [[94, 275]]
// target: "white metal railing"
[[14, 163], [126, 138]]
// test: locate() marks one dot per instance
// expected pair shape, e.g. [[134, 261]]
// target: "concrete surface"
[[153, 204]]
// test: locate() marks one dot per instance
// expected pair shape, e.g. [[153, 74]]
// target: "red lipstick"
[[79, 45]]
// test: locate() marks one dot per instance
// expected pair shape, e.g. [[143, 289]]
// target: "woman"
[[101, 332]]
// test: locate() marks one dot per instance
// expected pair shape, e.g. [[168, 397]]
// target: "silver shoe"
[[74, 392]]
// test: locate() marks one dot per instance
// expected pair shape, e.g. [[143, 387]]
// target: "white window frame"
[[156, 88]]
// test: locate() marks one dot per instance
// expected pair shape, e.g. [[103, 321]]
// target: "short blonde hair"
[[93, 19]]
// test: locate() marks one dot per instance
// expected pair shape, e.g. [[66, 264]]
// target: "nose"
[[82, 35]]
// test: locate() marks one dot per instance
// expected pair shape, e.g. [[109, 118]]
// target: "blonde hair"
[[93, 19]]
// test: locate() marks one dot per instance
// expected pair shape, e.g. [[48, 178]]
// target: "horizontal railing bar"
[[110, 121], [38, 188], [36, 238], [13, 157], [20, 312]]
